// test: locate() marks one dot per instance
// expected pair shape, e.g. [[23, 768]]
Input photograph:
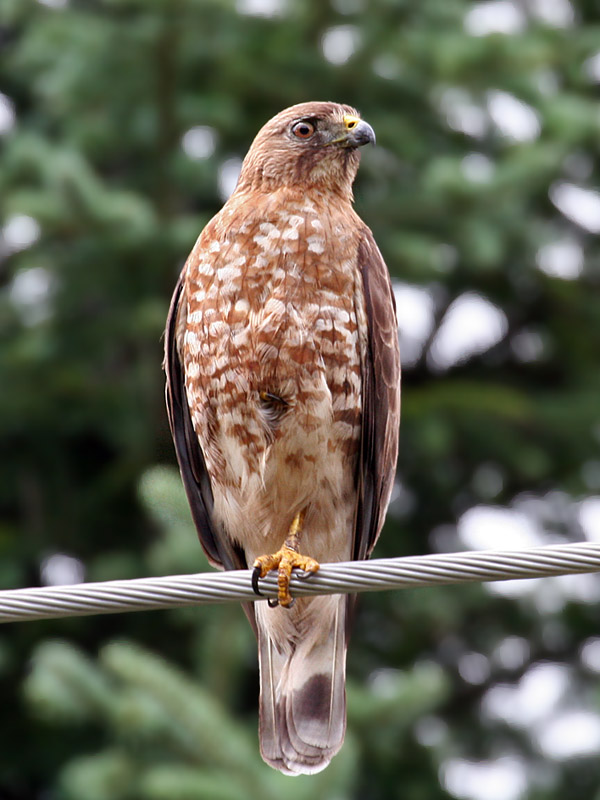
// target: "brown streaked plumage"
[[283, 392]]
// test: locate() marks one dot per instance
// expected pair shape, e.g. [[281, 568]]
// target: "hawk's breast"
[[272, 345]]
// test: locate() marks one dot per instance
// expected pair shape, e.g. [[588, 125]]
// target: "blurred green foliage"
[[100, 204]]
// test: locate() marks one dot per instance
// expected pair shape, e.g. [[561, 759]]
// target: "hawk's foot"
[[285, 560]]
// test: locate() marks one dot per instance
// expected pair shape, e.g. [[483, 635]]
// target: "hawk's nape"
[[283, 390]]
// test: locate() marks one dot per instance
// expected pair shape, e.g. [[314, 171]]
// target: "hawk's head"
[[307, 145]]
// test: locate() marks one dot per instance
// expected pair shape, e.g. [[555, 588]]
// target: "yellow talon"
[[284, 560]]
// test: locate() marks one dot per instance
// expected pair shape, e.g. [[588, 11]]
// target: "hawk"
[[283, 393]]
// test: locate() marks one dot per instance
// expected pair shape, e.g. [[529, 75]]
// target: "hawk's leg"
[[284, 560]]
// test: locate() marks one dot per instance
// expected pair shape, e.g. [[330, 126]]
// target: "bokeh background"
[[122, 128]]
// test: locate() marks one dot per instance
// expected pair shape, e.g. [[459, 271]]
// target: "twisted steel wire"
[[176, 591]]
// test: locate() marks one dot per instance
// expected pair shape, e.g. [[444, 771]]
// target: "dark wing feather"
[[381, 398], [217, 545]]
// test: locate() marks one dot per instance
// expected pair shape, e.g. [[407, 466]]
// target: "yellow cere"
[[350, 121]]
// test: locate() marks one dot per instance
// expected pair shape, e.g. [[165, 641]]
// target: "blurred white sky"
[[199, 142], [339, 43], [472, 324], [7, 114], [532, 522], [229, 172], [53, 3], [503, 778], [508, 17]]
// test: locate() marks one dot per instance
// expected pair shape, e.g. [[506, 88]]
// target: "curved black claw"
[[255, 577], [274, 602], [303, 575]]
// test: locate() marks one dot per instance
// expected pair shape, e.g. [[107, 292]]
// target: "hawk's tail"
[[302, 654]]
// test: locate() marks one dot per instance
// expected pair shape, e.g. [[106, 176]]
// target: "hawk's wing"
[[217, 545], [381, 398]]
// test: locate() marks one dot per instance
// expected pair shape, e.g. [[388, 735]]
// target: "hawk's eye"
[[303, 130]]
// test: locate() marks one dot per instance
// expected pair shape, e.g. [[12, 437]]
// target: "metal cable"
[[176, 591]]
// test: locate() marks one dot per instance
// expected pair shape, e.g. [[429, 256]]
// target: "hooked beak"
[[357, 133]]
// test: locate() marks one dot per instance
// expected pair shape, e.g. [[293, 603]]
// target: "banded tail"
[[302, 657]]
